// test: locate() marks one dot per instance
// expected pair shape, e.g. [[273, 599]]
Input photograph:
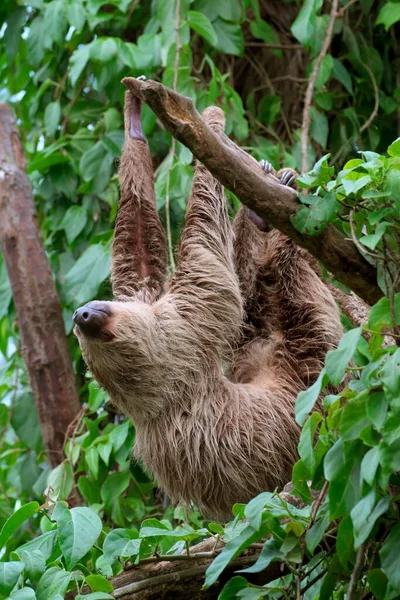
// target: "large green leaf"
[[202, 25], [16, 520], [89, 271], [9, 574], [79, 529], [121, 543], [337, 360], [53, 582]]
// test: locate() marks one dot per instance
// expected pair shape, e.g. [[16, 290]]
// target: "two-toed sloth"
[[207, 365]]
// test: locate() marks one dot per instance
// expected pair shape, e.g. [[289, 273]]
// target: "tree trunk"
[[44, 343]]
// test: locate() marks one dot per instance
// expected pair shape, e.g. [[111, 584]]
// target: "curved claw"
[[288, 177], [267, 167]]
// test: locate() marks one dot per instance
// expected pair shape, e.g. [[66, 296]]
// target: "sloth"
[[208, 364]]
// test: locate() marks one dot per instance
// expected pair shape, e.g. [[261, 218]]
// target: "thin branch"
[[173, 146], [376, 96], [355, 575], [275, 46], [345, 8], [241, 173], [311, 85]]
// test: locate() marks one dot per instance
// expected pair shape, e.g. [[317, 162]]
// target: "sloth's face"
[[118, 342]]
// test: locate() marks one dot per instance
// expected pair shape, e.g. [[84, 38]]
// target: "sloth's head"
[[121, 345]]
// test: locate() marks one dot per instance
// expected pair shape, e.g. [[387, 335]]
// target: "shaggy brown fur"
[[209, 371]]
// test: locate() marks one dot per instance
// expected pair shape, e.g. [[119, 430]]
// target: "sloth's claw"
[[288, 177], [267, 167]]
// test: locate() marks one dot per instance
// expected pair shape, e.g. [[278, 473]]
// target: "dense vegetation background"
[[61, 63]]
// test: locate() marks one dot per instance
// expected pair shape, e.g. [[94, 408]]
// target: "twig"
[[311, 85], [355, 575], [314, 580], [274, 46], [346, 7], [173, 146], [376, 96]]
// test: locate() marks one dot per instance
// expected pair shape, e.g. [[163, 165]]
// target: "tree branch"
[[311, 84], [183, 578], [241, 174], [44, 344]]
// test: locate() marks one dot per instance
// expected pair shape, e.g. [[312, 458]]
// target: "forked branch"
[[241, 174]]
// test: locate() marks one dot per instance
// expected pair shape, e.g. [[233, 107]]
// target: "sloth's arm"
[[138, 252], [205, 287]]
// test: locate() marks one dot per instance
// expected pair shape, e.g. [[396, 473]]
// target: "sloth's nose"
[[92, 317]]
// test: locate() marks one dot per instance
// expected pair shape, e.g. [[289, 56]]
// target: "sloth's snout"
[[92, 318]]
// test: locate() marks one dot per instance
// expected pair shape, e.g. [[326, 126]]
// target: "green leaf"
[[231, 589], [377, 407], [254, 509], [337, 360], [315, 534], [345, 541], [44, 543], [52, 115], [98, 583], [103, 49], [5, 290], [270, 551], [390, 557], [79, 529], [9, 574], [319, 128], [230, 37], [388, 15], [341, 74], [202, 25], [324, 72], [390, 376], [381, 313], [90, 270], [60, 480], [54, 582], [74, 222], [36, 41], [312, 219], [25, 593], [54, 23], [20, 516], [394, 149], [307, 441], [34, 562], [121, 543], [370, 464], [306, 399], [92, 459], [232, 549], [377, 581], [97, 396], [78, 62], [304, 26], [25, 422], [114, 486], [354, 418], [364, 516], [76, 14]]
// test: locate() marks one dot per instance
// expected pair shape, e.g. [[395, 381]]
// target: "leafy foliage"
[[60, 67]]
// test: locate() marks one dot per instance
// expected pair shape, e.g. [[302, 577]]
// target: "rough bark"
[[184, 578], [44, 343], [241, 174]]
